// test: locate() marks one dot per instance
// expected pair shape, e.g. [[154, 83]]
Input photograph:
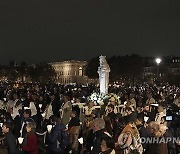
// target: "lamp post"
[[158, 61]]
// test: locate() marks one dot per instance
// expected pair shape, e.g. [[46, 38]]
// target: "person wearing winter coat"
[[54, 146], [9, 139], [30, 143]]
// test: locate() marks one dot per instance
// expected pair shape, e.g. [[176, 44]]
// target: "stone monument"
[[103, 71]]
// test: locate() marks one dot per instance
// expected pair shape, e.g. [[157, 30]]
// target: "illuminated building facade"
[[71, 72]]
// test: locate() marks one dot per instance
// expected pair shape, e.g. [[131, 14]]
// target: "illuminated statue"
[[103, 71]]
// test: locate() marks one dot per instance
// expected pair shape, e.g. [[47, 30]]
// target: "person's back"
[[52, 138]]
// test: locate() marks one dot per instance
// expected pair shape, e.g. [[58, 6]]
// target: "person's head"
[[94, 114], [34, 96], [7, 127], [129, 110], [78, 100], [139, 120], [99, 124], [110, 108], [31, 127], [52, 97], [27, 113], [107, 143], [149, 95], [41, 98], [163, 120], [91, 104], [15, 96], [153, 129], [146, 108], [107, 119], [112, 100], [131, 96], [87, 122], [66, 98], [73, 114], [160, 109], [162, 129], [55, 120]]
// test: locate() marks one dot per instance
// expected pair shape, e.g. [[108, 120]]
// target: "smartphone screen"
[[168, 118]]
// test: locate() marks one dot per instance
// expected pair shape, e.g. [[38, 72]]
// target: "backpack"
[[63, 139]]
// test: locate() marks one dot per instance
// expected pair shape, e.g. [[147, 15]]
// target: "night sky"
[[54, 30]]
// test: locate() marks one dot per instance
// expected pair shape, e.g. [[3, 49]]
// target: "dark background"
[[54, 30]]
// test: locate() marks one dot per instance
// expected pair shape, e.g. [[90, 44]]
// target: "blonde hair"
[[154, 129], [32, 125]]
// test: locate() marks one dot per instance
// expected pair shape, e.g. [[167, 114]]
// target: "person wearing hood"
[[53, 135]]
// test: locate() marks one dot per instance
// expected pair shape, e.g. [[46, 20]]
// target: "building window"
[[80, 71]]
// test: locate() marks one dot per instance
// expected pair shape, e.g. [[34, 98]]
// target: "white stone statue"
[[103, 71]]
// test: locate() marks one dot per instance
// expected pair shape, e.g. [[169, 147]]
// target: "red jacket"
[[32, 146]]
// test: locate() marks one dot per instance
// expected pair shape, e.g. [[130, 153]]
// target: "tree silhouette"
[[42, 72]]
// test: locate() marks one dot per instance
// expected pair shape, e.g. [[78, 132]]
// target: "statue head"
[[102, 60]]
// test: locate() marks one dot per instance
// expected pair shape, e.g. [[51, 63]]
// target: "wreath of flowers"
[[102, 99], [97, 98]]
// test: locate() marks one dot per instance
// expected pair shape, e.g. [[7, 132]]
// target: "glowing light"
[[158, 61]]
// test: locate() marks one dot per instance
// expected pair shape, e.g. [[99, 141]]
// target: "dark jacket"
[[55, 107], [112, 116], [132, 117], [31, 145], [170, 144], [74, 122], [107, 152], [97, 141], [52, 138], [10, 142], [157, 148], [143, 134]]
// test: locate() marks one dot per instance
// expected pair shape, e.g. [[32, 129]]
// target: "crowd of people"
[[50, 119]]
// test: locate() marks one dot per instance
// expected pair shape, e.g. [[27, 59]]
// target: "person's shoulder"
[[60, 127], [143, 129], [10, 136], [30, 120]]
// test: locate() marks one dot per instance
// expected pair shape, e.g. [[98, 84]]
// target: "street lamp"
[[158, 61]]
